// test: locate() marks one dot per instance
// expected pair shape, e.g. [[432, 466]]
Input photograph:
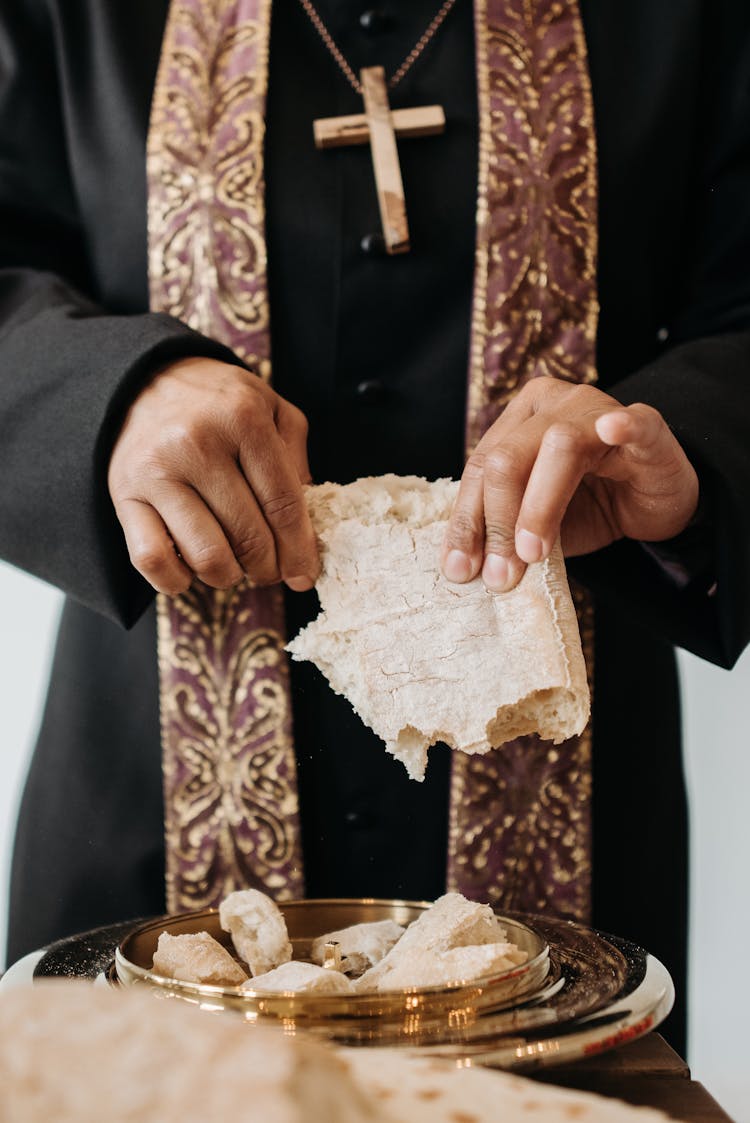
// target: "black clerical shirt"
[[374, 350]]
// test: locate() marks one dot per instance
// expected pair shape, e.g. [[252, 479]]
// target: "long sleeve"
[[68, 368], [701, 383], [702, 390]]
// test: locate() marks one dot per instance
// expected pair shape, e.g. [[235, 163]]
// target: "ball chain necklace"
[[379, 126]]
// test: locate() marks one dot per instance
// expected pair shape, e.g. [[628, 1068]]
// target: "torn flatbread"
[[424, 660]]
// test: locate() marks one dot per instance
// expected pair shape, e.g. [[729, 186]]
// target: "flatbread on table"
[[424, 660], [428, 1090], [76, 1053], [73, 1052]]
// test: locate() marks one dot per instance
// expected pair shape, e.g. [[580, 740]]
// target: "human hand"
[[566, 460], [206, 478]]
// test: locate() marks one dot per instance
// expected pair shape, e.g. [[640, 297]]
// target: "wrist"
[[688, 557]]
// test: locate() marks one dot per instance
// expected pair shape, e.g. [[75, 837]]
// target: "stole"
[[519, 833]]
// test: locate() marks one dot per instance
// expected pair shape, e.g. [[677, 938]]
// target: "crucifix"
[[380, 126]]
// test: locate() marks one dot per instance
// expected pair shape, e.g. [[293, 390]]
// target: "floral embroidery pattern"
[[520, 831]]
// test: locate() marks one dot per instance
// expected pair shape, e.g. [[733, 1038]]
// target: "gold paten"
[[417, 1016]]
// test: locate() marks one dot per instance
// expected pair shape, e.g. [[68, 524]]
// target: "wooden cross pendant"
[[380, 127]]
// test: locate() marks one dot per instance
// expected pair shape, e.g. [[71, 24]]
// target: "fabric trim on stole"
[[230, 773], [520, 815], [519, 824]]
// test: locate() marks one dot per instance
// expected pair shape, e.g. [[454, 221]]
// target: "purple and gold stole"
[[520, 815]]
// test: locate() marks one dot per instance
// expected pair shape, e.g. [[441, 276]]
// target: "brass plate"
[[600, 992], [415, 1016]]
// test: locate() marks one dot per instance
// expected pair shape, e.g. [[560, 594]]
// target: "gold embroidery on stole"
[[541, 320], [231, 808], [207, 249]]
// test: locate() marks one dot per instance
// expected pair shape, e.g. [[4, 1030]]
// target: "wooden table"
[[647, 1072]]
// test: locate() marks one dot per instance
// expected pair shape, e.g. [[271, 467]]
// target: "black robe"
[[374, 350]]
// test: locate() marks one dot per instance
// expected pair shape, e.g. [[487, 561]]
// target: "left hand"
[[571, 461]]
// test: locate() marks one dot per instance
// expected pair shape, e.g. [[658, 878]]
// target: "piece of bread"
[[257, 928], [361, 945], [443, 968], [426, 1090], [422, 659], [197, 958], [451, 922], [303, 978], [71, 1052]]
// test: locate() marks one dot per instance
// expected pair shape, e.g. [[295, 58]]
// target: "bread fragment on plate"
[[443, 968], [197, 958], [257, 928], [455, 940], [422, 659], [361, 945], [303, 978], [71, 1052], [453, 921]]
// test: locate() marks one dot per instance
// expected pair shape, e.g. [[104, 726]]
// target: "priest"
[[515, 233]]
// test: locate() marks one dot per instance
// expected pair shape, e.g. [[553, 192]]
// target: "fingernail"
[[458, 566], [529, 547], [495, 573], [299, 584]]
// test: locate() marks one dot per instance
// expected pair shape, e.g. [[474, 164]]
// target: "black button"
[[373, 245], [371, 391], [374, 21]]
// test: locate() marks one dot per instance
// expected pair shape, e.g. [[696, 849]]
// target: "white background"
[[718, 766]]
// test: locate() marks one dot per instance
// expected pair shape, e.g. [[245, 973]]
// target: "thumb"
[[639, 428], [661, 491]]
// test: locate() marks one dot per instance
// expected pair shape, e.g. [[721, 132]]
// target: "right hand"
[[206, 478]]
